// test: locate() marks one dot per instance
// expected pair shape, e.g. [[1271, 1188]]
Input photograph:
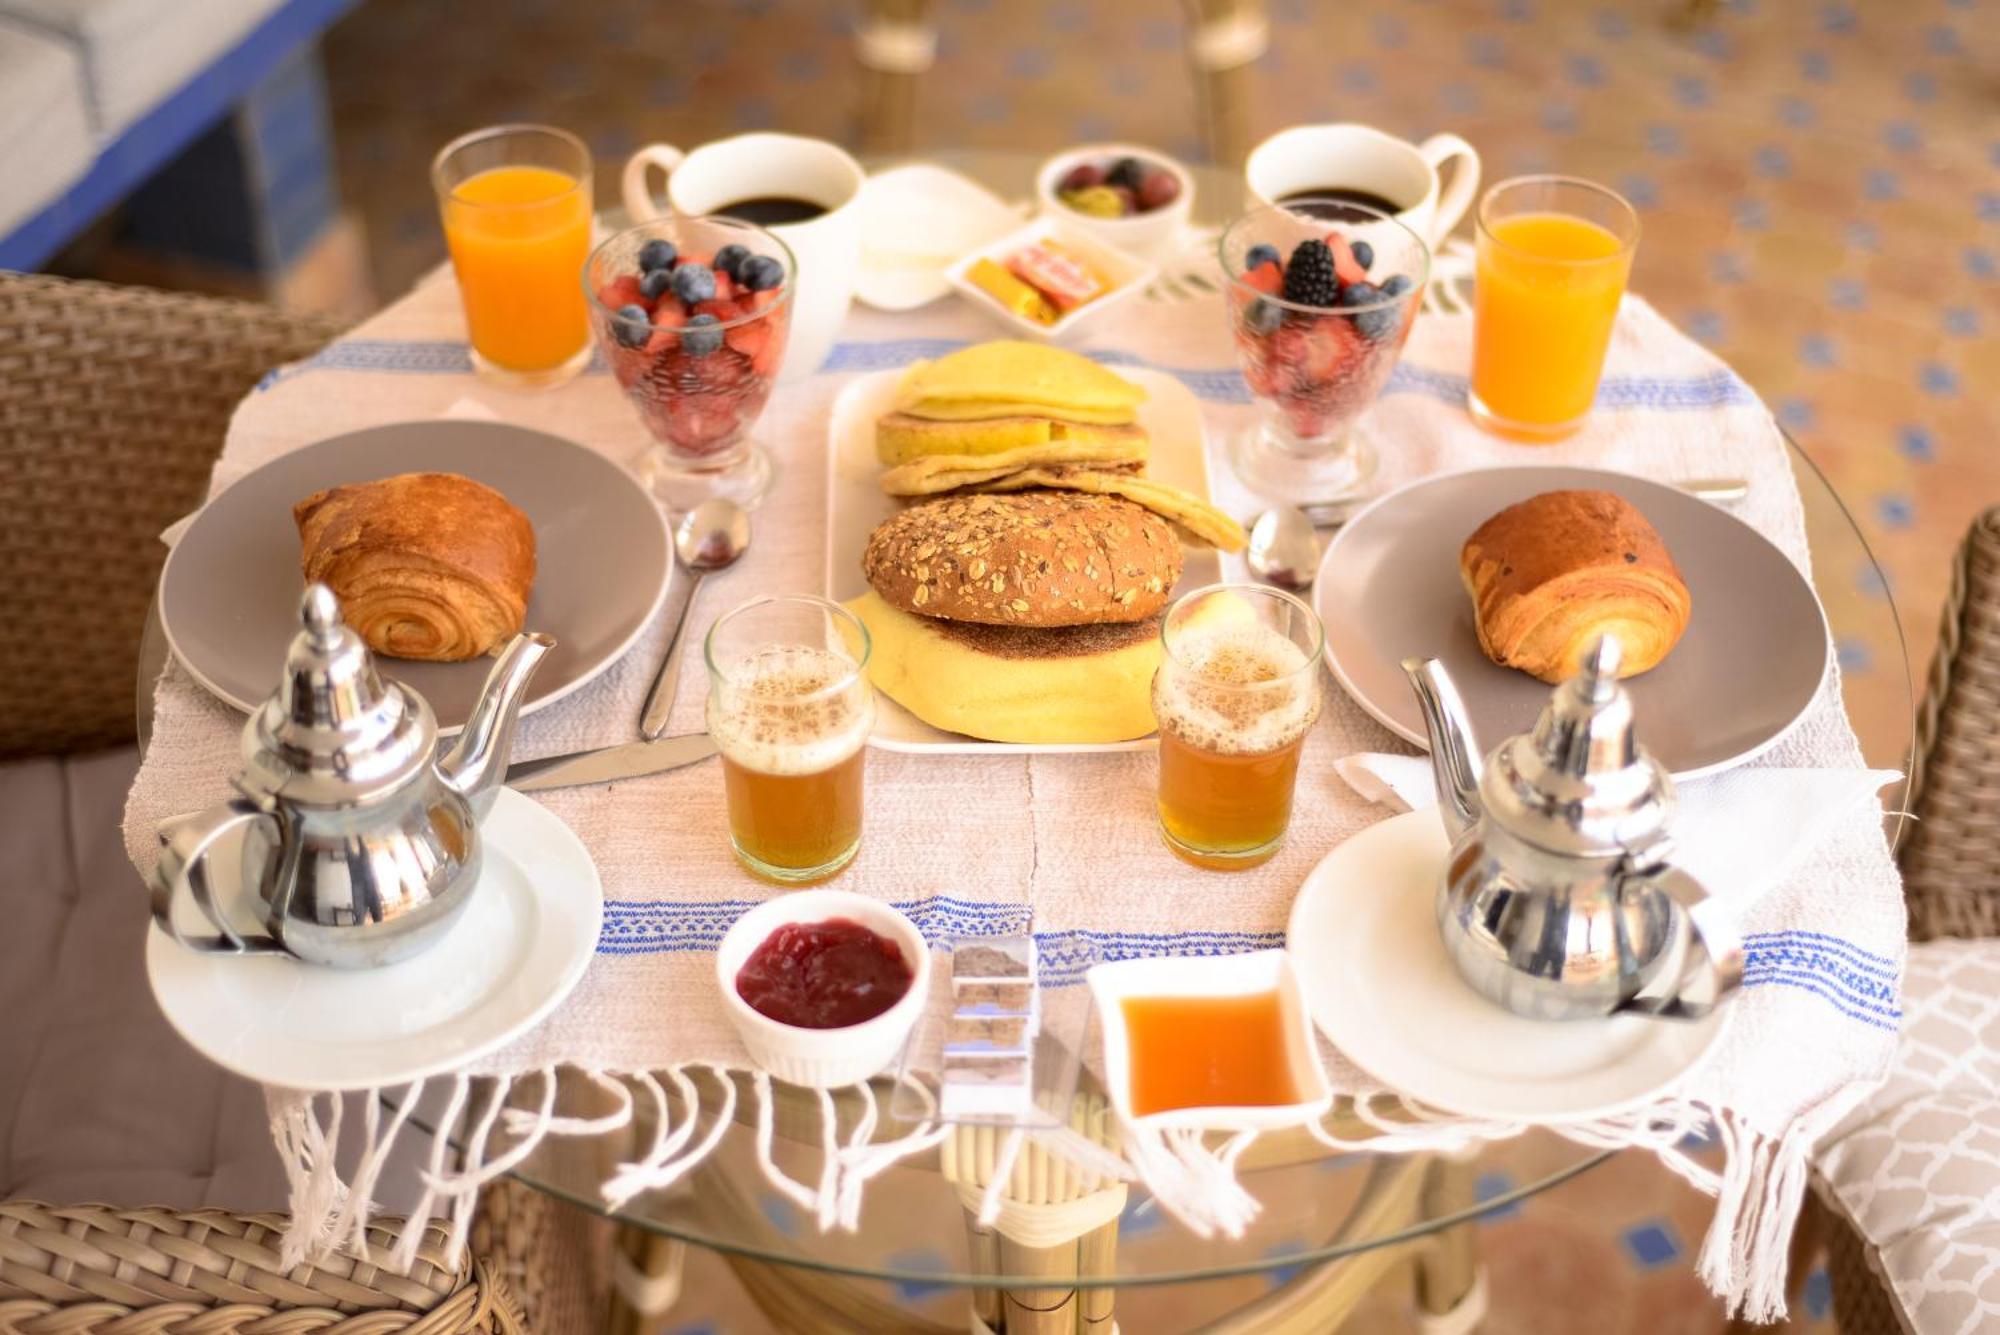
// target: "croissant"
[[431, 566], [1550, 575]]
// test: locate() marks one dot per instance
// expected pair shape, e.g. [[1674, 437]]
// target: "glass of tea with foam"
[[790, 708], [1236, 693]]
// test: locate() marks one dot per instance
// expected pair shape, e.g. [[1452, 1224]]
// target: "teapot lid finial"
[[333, 727], [319, 612], [1580, 781]]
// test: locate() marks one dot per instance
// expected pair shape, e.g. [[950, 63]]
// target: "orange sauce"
[[1208, 1052]]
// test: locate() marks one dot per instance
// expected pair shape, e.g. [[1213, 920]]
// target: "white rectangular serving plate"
[[856, 503], [1209, 976]]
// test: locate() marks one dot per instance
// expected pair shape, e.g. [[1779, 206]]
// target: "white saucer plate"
[[856, 503], [1364, 938], [522, 945], [917, 221]]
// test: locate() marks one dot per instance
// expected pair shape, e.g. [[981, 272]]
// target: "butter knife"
[[626, 760]]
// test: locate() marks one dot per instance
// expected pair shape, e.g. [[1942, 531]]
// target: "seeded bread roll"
[[1036, 558]]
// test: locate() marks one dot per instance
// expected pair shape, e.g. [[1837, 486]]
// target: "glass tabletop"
[[915, 1224], [1318, 1205]]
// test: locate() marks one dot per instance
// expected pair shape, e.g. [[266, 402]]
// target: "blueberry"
[[729, 258], [1379, 323], [657, 254], [1364, 254], [760, 273], [694, 283], [1397, 286], [700, 336], [1360, 294], [632, 326], [655, 283], [1263, 316], [1259, 254]]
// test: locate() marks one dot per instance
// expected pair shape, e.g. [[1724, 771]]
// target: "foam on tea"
[[1236, 690], [776, 711]]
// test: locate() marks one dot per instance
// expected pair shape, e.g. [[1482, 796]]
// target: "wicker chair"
[[90, 1269], [1950, 864], [113, 406]]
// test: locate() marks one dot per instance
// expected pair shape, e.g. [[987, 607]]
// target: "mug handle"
[[183, 870], [639, 204], [1453, 199], [1714, 965]]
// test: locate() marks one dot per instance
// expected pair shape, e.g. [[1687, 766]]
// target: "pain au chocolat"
[[1036, 559], [1550, 575]]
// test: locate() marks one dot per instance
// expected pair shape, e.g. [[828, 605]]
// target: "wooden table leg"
[[1448, 1265], [1097, 1256], [983, 1246], [1043, 1310]]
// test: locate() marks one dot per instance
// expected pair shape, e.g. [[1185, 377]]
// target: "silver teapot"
[[360, 846], [1558, 901]]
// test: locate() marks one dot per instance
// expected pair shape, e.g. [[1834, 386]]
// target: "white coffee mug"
[[755, 166], [1360, 157]]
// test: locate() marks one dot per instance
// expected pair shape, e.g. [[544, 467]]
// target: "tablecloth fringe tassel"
[[1743, 1258], [329, 1213]]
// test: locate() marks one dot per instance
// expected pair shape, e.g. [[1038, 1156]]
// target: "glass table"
[[1062, 1249]]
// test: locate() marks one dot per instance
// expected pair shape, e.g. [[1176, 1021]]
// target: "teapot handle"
[[183, 870], [1714, 965]]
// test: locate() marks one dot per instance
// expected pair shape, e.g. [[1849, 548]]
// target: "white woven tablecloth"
[[1066, 844]]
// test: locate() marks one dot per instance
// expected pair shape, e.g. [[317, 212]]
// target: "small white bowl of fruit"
[[1129, 196]]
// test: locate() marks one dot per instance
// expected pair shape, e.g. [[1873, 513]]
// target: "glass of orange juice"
[[516, 202], [1554, 253]]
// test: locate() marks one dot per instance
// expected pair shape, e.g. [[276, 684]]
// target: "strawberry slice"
[[725, 311], [623, 291], [749, 339], [1267, 278], [725, 286], [1330, 344], [1345, 267]]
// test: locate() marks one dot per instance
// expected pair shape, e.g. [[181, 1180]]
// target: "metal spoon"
[[709, 538], [1283, 550]]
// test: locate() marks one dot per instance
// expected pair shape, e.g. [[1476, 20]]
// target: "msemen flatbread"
[[1193, 515], [1009, 377]]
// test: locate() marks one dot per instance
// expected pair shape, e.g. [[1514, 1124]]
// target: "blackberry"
[[1126, 172], [1309, 278]]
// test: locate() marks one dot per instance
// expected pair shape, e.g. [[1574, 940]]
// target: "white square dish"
[[1127, 273], [1210, 976], [856, 503]]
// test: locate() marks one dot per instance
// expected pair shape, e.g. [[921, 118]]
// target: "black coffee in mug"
[[773, 210], [1330, 201]]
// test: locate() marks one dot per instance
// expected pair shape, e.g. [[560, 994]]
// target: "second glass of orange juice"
[[516, 201], [1554, 253]]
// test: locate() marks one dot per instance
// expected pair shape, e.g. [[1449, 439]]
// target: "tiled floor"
[[1820, 187]]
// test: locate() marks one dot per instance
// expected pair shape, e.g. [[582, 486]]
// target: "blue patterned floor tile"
[[1651, 1244]]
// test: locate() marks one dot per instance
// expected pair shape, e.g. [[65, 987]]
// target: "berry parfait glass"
[[691, 315], [1321, 297]]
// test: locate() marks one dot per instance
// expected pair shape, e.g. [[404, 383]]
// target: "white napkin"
[[1738, 833]]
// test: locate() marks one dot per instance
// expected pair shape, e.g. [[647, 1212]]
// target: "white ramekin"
[[1150, 235], [823, 1058]]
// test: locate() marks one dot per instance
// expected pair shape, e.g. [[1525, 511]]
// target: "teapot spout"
[[478, 763], [1454, 750]]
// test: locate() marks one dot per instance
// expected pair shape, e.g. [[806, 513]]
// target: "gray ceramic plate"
[[229, 594], [1754, 654]]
